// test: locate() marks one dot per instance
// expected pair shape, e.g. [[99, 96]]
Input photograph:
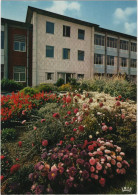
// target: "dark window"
[[80, 76], [49, 51], [124, 62], [2, 39], [81, 34], [111, 42], [99, 40], [50, 27], [19, 73], [66, 31], [133, 63], [66, 53], [123, 45], [80, 55], [19, 43], [98, 59], [2, 71], [133, 47], [49, 76], [110, 60]]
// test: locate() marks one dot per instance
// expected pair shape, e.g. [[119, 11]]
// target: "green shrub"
[[47, 87], [10, 85], [8, 134], [59, 82], [65, 87], [73, 82], [30, 91]]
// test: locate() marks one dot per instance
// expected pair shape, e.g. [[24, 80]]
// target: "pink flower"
[[104, 172], [66, 123], [108, 165], [20, 143], [104, 128], [110, 128], [102, 182], [118, 103], [44, 143], [54, 168], [118, 171], [123, 171], [35, 128], [107, 151], [103, 124], [113, 162], [126, 163], [101, 104], [80, 118], [119, 165], [56, 115], [92, 169], [76, 110], [81, 128], [74, 129], [92, 161], [63, 106], [68, 99], [23, 112], [122, 116], [96, 177], [108, 158], [98, 166], [90, 100], [23, 122], [122, 153], [72, 139], [43, 120], [69, 112]]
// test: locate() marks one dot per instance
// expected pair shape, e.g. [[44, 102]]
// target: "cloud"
[[61, 7], [130, 27], [121, 15]]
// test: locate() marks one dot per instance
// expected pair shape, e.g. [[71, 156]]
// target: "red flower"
[[101, 104], [119, 96], [61, 142], [102, 182], [2, 157], [76, 110], [1, 177], [72, 139], [14, 168], [44, 143], [56, 115], [118, 103], [69, 112], [17, 159], [43, 120], [20, 143], [90, 100], [81, 128], [90, 147], [74, 129], [68, 99]]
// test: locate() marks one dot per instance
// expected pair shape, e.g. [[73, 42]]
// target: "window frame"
[[50, 46], [124, 45], [83, 34], [110, 60], [97, 58], [133, 63], [80, 76], [122, 62], [99, 40], [65, 49], [112, 42], [52, 73], [48, 22], [133, 47], [20, 42], [81, 51], [19, 74], [65, 31]]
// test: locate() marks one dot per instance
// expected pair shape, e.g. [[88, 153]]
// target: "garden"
[[75, 138]]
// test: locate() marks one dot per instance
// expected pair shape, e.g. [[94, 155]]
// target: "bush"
[[47, 87], [65, 87], [10, 85], [59, 82], [8, 134], [29, 91]]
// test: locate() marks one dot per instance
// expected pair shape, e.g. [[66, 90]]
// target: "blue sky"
[[120, 15]]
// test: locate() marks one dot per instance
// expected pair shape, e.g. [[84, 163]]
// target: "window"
[[66, 31], [123, 45], [124, 62], [66, 53], [19, 73], [49, 51], [50, 27], [110, 60], [80, 76], [133, 63], [80, 55], [49, 76], [2, 39], [19, 43], [98, 59], [81, 34], [2, 71], [111, 42], [133, 47], [99, 40]]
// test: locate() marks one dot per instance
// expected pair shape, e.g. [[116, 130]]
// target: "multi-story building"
[[16, 51], [64, 47]]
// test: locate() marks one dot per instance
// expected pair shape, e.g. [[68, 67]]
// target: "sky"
[[119, 16]]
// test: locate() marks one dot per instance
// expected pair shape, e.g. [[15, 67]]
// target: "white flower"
[[90, 136], [97, 132]]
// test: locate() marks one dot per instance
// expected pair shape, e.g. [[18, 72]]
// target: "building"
[[64, 47], [16, 51]]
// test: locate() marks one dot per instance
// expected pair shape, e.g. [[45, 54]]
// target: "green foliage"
[[47, 87], [10, 85], [59, 82], [65, 87], [73, 82], [30, 91], [9, 134]]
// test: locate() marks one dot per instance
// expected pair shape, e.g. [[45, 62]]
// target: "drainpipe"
[[129, 57], [6, 51], [105, 67], [27, 54], [118, 55]]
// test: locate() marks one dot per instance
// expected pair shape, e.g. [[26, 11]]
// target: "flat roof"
[[69, 19], [15, 23]]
